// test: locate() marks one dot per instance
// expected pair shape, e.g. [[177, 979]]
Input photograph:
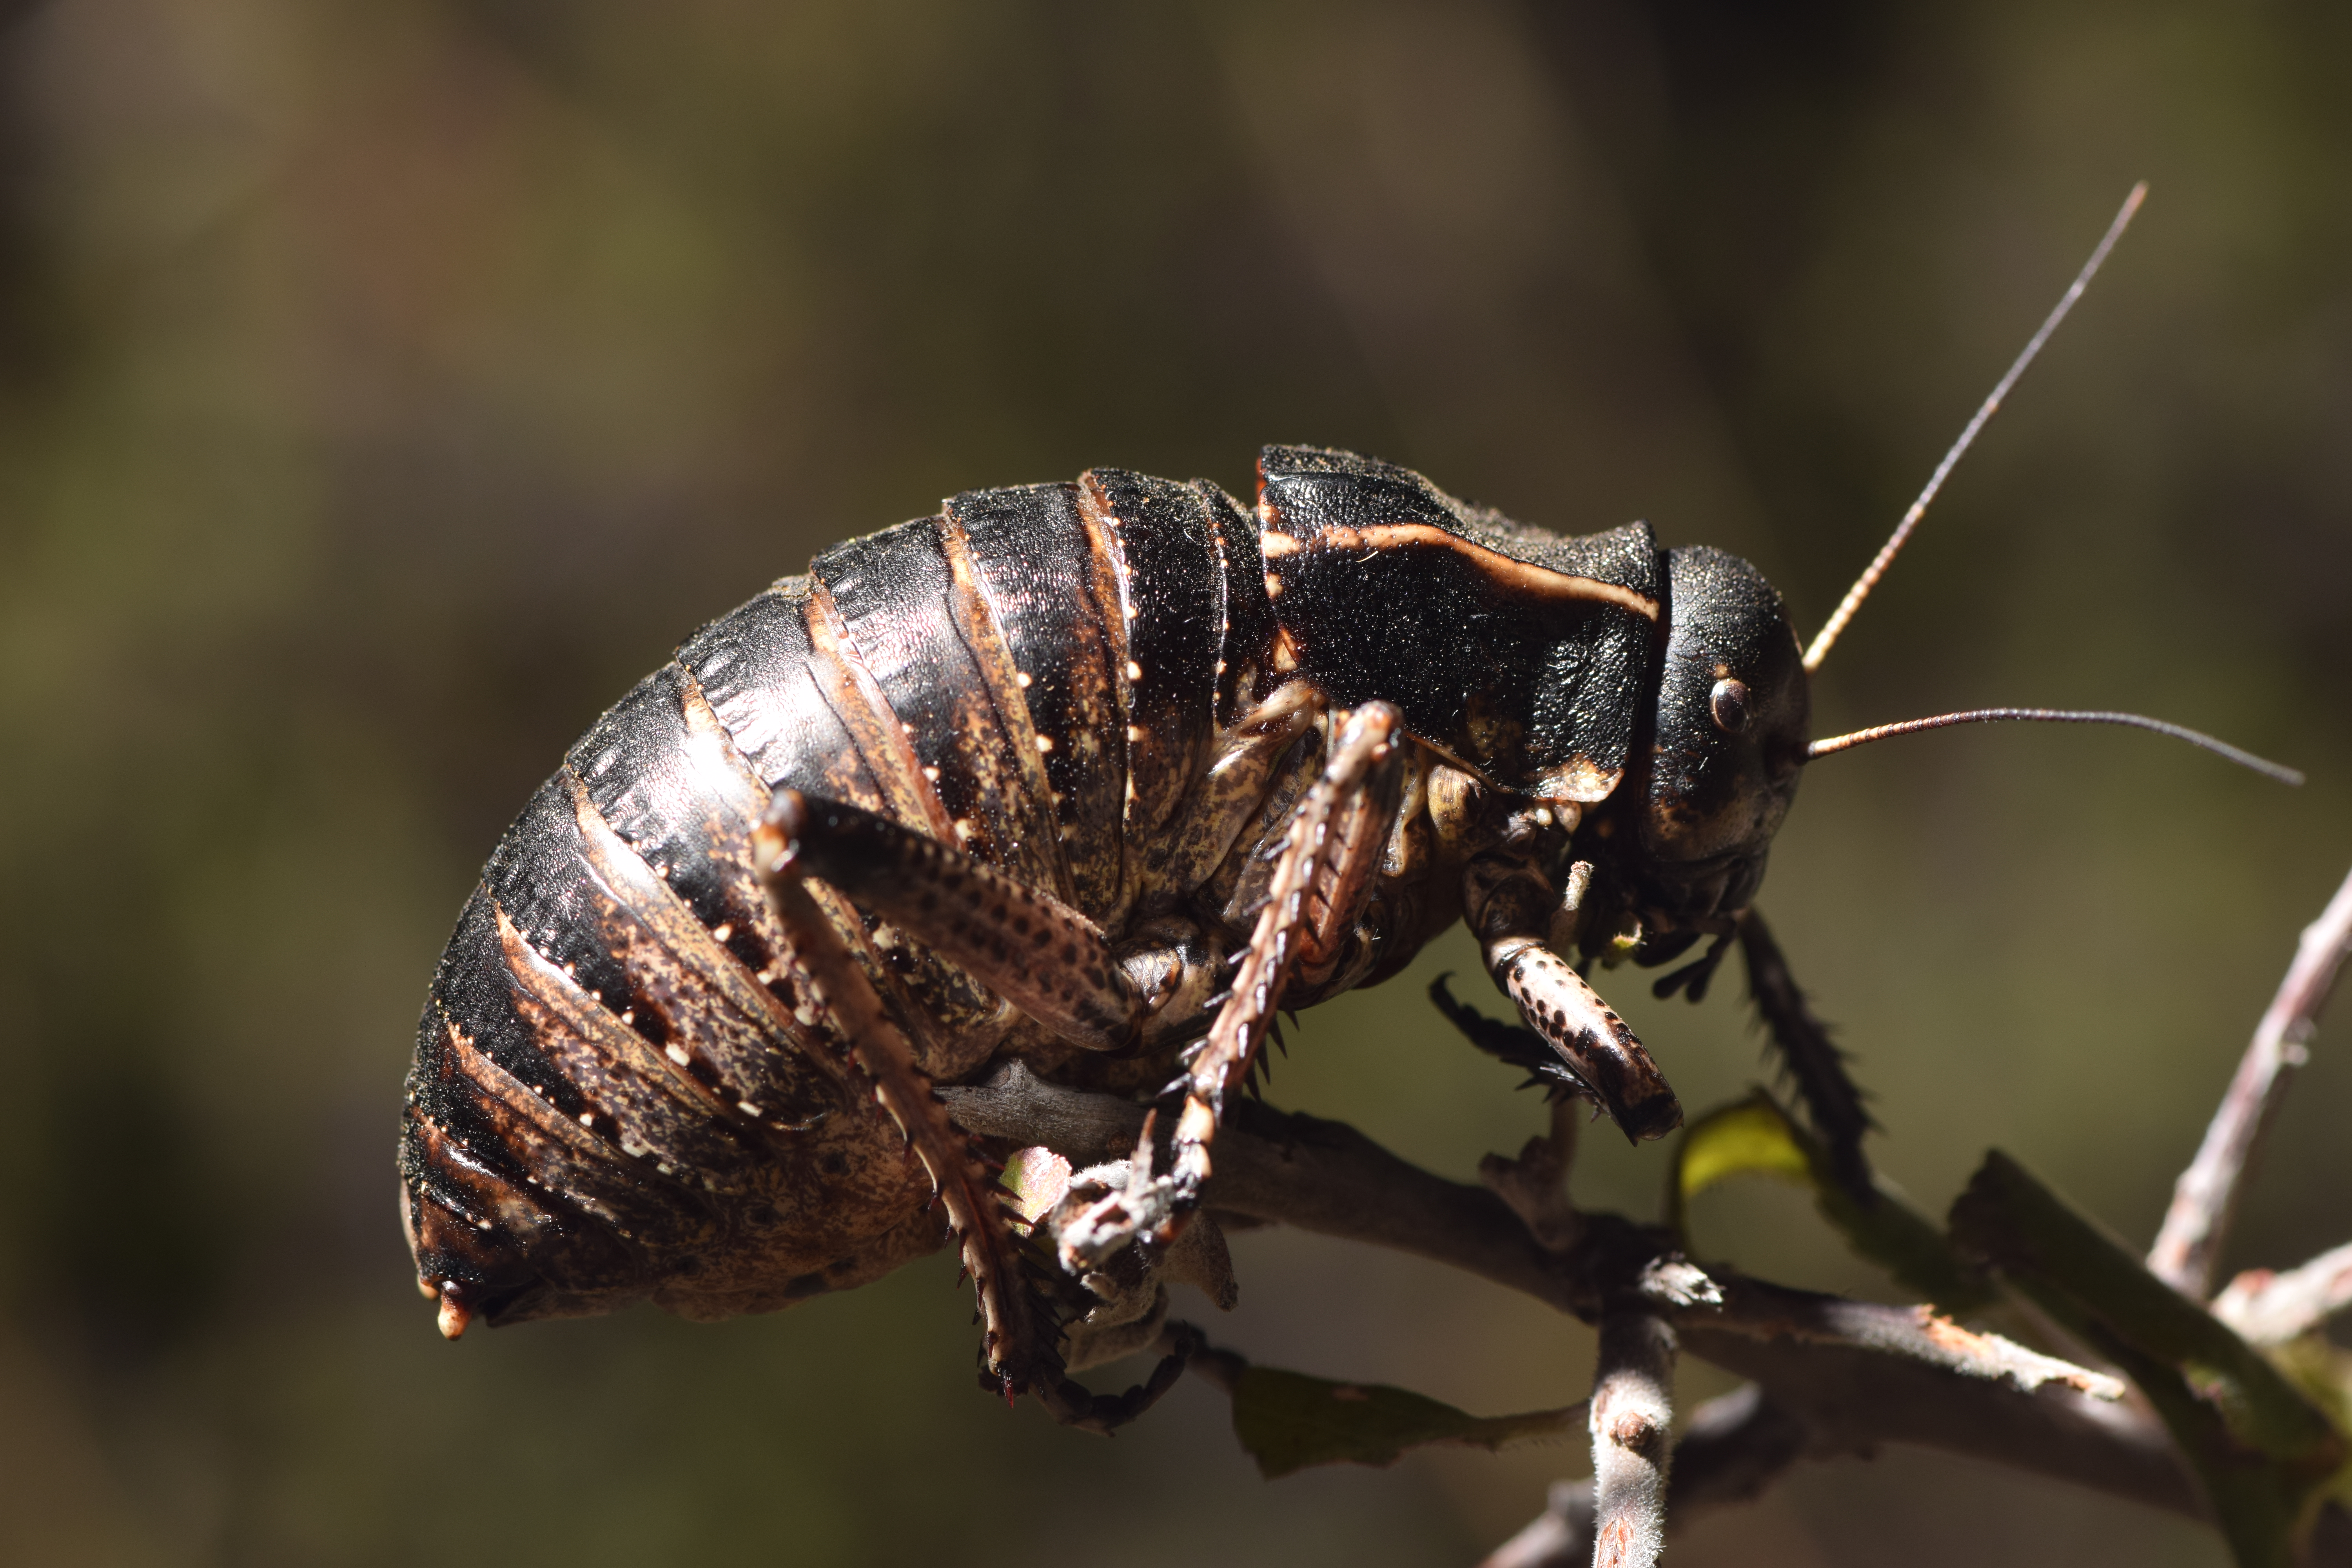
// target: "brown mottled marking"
[[690, 944], [942, 1033], [656, 1105], [1106, 578], [1020, 1345], [1048, 958], [976, 622], [1227, 796], [856, 700], [586, 1169], [1590, 1036]]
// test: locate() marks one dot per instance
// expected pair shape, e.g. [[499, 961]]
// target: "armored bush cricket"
[[1093, 777]]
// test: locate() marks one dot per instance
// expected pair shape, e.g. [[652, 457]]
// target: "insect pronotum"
[[1094, 776]]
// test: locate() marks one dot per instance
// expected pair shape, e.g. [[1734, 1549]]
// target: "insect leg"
[[1334, 842], [1038, 952], [1021, 1338], [1833, 1100], [1228, 797], [1510, 905]]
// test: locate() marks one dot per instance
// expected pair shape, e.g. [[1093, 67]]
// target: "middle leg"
[[1322, 874]]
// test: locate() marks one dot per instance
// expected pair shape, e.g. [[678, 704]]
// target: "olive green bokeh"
[[384, 387]]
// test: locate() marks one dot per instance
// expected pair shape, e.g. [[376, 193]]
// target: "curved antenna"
[[2053, 716], [1985, 411]]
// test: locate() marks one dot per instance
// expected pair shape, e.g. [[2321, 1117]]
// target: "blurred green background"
[[384, 387]]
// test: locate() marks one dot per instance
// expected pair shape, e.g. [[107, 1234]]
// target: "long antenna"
[[1985, 411], [2053, 716]]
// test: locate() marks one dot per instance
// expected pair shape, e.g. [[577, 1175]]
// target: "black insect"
[[1092, 776]]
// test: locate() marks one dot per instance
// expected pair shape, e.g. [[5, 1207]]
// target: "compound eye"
[[1729, 703]]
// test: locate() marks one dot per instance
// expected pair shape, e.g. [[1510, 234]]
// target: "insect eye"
[[1729, 703]]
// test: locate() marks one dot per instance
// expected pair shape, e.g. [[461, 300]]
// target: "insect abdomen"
[[622, 1085]]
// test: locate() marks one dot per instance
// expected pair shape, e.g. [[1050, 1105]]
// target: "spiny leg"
[[1020, 1346], [1023, 1333], [1833, 1100], [1510, 904], [1332, 845], [1040, 954]]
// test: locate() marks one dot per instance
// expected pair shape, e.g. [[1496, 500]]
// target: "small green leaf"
[[1755, 1137], [1288, 1421], [1752, 1137]]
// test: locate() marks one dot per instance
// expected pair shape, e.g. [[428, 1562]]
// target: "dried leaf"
[[1288, 1421]]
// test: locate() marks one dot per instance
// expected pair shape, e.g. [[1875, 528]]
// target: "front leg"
[[1510, 906], [1330, 851]]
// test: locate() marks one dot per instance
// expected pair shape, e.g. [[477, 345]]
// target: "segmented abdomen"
[[622, 1087]]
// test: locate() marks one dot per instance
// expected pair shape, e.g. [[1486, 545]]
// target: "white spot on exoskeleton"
[[1020, 679], [765, 976], [628, 1015], [748, 1108], [1134, 670], [722, 933], [1044, 744], [1134, 733], [587, 1119], [964, 828], [931, 773], [1273, 586], [676, 1053]]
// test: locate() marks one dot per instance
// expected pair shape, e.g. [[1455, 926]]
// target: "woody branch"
[[1856, 1373]]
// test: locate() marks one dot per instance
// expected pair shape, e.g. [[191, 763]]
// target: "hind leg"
[[1023, 1329]]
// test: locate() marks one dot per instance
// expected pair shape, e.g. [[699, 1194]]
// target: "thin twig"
[[1558, 1537], [1631, 1420], [2205, 1199], [2270, 1309]]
